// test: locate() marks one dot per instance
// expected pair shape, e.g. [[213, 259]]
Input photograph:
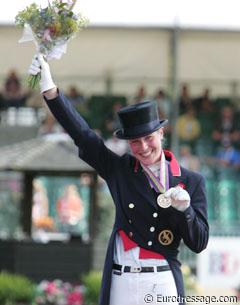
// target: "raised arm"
[[91, 147]]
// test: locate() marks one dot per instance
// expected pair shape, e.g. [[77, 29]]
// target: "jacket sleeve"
[[194, 225], [91, 147]]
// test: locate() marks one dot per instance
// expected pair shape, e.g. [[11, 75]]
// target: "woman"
[[157, 202]]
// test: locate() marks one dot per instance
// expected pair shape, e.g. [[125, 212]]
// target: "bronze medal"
[[164, 202], [165, 237]]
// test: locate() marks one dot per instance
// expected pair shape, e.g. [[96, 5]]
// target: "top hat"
[[139, 120]]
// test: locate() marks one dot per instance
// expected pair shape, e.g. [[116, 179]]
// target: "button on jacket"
[[135, 200]]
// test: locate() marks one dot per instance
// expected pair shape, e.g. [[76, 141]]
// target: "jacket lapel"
[[143, 185], [174, 180]]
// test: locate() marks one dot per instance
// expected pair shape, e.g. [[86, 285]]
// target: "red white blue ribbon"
[[161, 183]]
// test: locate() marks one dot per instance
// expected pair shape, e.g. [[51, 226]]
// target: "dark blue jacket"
[[128, 184]]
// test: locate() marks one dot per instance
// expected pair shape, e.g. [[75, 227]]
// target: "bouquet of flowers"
[[58, 292], [49, 28]]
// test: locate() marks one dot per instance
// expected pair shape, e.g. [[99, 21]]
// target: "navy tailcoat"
[[128, 184]]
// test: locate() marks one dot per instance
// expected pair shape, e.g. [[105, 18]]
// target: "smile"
[[146, 154]]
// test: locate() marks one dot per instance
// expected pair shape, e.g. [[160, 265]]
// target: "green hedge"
[[15, 288], [92, 283]]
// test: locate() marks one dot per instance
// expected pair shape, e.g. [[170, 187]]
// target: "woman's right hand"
[[47, 86]]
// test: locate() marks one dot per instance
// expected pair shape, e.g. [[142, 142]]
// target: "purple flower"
[[46, 35], [75, 17]]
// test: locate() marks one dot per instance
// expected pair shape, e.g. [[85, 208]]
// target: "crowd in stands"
[[208, 129]]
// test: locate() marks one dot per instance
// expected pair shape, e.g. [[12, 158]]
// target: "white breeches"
[[154, 288]]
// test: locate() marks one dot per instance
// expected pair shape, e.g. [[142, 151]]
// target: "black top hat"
[[139, 120]]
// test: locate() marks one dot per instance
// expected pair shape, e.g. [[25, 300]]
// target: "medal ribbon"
[[160, 184]]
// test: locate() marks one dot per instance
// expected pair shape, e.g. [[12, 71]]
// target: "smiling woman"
[[153, 212], [147, 149], [143, 130]]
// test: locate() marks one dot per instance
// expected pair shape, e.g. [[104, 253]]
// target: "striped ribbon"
[[160, 184]]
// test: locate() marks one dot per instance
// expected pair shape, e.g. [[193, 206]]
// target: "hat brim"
[[119, 133]]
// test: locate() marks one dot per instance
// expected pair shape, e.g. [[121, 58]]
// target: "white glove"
[[40, 65], [180, 198]]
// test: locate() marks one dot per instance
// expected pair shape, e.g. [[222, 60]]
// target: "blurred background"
[[185, 56]]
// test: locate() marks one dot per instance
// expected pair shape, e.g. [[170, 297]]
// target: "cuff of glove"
[[47, 86], [181, 207]]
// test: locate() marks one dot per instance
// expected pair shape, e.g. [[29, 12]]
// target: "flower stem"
[[33, 80]]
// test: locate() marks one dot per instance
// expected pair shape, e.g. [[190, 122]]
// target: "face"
[[147, 149]]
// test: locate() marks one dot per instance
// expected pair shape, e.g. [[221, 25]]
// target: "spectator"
[[140, 95], [227, 155], [188, 128], [227, 128], [75, 96], [112, 122], [205, 97], [206, 114], [13, 95], [188, 160], [184, 100], [164, 103]]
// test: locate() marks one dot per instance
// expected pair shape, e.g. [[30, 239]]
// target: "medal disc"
[[163, 202]]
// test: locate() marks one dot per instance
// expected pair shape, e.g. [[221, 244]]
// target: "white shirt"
[[131, 257]]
